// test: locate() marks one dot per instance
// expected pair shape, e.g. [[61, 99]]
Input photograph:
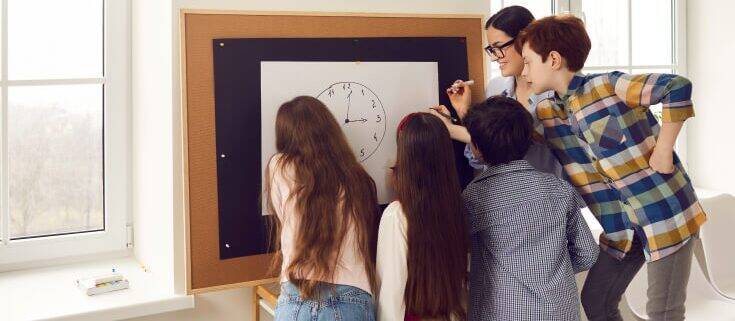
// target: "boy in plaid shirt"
[[621, 162]]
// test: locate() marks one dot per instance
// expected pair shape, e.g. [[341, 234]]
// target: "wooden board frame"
[[205, 271]]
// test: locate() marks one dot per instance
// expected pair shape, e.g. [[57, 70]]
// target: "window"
[[63, 120], [645, 41], [632, 36], [650, 38]]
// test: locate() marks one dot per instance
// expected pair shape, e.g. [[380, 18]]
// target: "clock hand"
[[349, 103]]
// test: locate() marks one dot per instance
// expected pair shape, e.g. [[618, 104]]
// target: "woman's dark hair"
[[429, 192], [510, 20], [501, 129]]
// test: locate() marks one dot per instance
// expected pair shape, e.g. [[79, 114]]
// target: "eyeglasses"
[[498, 52]]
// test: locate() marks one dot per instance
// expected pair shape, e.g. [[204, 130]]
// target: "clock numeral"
[[375, 136], [379, 119], [362, 152], [330, 92], [363, 91], [373, 100]]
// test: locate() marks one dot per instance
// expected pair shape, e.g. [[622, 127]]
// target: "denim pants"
[[336, 303]]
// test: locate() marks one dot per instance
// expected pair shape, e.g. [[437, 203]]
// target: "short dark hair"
[[510, 20], [564, 34], [501, 129]]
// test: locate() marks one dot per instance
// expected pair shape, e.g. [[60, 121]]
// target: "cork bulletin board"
[[211, 265]]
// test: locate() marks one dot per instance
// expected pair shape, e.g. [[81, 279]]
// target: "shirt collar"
[[510, 87], [574, 85], [533, 99], [512, 166]]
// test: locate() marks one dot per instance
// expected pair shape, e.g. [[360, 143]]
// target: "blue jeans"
[[337, 303]]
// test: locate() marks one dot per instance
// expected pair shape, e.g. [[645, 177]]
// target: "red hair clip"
[[403, 122]]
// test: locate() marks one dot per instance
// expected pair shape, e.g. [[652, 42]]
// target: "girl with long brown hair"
[[422, 239], [325, 206]]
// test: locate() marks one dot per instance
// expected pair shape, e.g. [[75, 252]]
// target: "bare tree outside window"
[[55, 160], [53, 110]]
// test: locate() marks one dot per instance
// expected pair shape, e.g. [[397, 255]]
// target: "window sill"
[[51, 293]]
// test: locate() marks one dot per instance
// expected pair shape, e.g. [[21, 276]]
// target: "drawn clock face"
[[361, 114]]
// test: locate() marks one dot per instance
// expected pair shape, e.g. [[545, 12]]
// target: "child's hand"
[[662, 160], [438, 111], [460, 96]]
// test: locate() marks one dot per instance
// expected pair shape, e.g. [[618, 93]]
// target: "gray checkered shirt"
[[528, 240]]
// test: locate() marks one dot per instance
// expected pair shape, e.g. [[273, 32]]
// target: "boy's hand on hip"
[[662, 160]]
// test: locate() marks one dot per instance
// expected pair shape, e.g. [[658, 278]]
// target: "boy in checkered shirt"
[[621, 162], [527, 234]]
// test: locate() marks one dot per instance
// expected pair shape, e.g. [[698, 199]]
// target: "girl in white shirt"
[[422, 239], [501, 29], [325, 208]]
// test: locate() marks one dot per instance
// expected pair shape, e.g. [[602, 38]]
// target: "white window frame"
[[113, 240], [677, 13], [678, 57], [678, 63]]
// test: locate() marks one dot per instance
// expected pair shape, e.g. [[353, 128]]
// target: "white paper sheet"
[[379, 95]]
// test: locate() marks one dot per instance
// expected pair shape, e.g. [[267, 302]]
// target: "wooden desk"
[[265, 296]]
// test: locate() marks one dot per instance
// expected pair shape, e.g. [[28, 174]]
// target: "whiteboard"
[[368, 99]]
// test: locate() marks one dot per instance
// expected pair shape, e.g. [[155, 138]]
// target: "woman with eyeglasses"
[[501, 30]]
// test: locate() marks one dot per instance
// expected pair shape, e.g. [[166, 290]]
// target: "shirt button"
[[626, 202]]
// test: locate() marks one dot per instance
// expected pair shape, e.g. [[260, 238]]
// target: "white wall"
[[158, 138], [152, 190], [710, 47]]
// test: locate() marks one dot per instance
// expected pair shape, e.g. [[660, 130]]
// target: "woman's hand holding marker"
[[459, 86], [460, 95]]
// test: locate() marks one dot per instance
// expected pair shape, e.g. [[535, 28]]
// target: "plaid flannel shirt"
[[603, 133]]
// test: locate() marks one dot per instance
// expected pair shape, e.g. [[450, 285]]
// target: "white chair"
[[717, 257], [714, 264], [703, 302]]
